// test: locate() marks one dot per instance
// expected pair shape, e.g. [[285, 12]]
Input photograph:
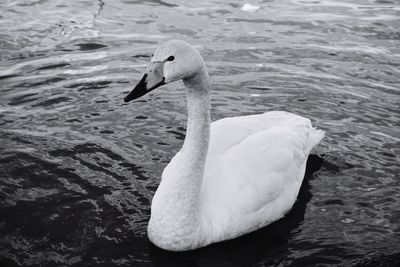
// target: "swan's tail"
[[315, 137]]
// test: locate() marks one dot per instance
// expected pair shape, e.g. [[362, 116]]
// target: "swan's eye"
[[171, 58]]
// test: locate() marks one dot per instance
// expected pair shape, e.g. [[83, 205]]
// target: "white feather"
[[232, 176]]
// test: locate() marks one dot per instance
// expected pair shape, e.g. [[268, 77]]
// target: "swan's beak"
[[153, 78]]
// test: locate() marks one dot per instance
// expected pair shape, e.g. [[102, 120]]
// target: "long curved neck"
[[197, 138], [175, 208], [192, 159]]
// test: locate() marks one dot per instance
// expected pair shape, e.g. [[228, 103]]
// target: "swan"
[[232, 176]]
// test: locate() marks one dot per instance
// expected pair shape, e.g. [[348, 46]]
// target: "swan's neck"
[[175, 208], [198, 126]]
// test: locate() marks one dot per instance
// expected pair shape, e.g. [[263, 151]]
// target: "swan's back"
[[228, 132], [254, 170]]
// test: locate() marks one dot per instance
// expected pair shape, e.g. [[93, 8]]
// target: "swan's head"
[[172, 61]]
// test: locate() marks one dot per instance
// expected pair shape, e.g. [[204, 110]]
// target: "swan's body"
[[231, 176]]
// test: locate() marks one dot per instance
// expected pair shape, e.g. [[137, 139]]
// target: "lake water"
[[79, 167]]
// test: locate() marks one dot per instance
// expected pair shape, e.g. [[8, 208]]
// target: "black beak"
[[151, 80], [141, 89]]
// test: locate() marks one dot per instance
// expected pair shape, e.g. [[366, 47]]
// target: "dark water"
[[78, 167]]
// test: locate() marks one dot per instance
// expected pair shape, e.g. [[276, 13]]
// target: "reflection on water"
[[79, 167]]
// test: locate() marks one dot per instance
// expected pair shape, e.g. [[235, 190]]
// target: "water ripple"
[[79, 166]]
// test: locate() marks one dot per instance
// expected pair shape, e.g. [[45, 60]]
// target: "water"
[[79, 167]]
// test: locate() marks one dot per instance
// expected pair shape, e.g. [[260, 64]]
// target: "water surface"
[[79, 167]]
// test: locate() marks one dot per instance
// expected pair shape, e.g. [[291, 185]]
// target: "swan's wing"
[[256, 171], [260, 168], [260, 173], [228, 132]]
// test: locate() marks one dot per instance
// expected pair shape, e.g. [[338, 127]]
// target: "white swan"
[[232, 176]]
